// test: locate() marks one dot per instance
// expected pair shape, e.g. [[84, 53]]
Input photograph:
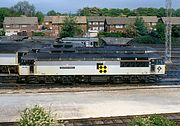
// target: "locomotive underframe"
[[64, 79]]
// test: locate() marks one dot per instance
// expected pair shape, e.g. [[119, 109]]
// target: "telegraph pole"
[[168, 31]]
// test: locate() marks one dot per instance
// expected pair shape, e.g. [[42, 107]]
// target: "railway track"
[[86, 88], [106, 121], [172, 78]]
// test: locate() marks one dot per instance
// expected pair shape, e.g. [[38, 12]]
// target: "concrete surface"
[[68, 105]]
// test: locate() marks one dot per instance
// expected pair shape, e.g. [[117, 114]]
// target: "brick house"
[[118, 24], [174, 20], [54, 24], [149, 21], [95, 24], [20, 25]]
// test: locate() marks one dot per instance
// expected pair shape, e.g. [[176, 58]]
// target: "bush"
[[36, 116], [2, 33], [38, 34], [153, 120], [176, 40], [148, 40], [111, 34]]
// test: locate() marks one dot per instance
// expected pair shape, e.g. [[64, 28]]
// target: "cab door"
[[153, 63]]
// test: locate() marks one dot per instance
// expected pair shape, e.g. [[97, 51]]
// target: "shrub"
[[36, 116], [110, 34], [153, 120], [148, 40], [2, 33], [38, 34]]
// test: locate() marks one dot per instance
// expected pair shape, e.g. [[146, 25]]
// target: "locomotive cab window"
[[68, 46], [157, 61], [57, 46]]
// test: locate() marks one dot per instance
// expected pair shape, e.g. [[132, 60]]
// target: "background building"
[[54, 24], [95, 25], [149, 21], [118, 24], [20, 25]]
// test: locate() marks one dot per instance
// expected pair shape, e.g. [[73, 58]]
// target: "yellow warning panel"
[[103, 69]]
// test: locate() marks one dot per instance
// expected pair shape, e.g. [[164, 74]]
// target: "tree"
[[36, 116], [160, 30], [94, 11], [40, 16], [53, 13], [105, 12], [140, 27], [176, 31], [70, 28], [146, 11], [178, 12], [127, 12], [153, 120], [131, 31], [24, 8], [161, 12], [2, 33], [6, 12]]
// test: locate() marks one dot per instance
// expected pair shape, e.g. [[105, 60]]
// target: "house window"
[[95, 23], [153, 24], [16, 26], [119, 26], [24, 26], [101, 23], [7, 26], [148, 24], [101, 28], [95, 28]]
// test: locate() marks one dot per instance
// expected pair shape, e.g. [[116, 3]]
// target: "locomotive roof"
[[77, 56], [103, 48], [18, 46]]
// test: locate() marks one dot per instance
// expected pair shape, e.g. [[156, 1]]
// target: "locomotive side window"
[[142, 58], [134, 64], [57, 46], [68, 46], [139, 52], [127, 58]]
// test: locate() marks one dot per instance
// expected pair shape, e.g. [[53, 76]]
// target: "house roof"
[[116, 41], [48, 18], [120, 20], [147, 19], [96, 18], [60, 19], [21, 20], [175, 20]]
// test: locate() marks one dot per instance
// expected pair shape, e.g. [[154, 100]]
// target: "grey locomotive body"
[[101, 64]]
